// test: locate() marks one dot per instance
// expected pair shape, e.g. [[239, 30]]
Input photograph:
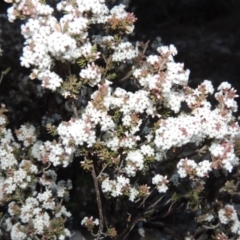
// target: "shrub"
[[149, 141]]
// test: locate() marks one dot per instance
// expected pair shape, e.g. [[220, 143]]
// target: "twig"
[[144, 200], [211, 226], [5, 72], [1, 78], [149, 209], [73, 105], [108, 62], [145, 47], [126, 76], [48, 166], [120, 165], [168, 212], [125, 233], [44, 169], [2, 219], [99, 175], [99, 202], [162, 65]]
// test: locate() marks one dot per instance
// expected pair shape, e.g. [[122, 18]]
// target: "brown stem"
[[99, 202], [126, 76], [74, 108], [127, 230], [146, 46], [144, 200], [150, 208], [99, 175], [108, 63], [1, 78]]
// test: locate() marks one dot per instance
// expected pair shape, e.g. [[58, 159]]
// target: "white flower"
[[147, 150], [209, 217], [227, 214], [136, 157], [185, 167], [27, 134], [133, 194], [84, 220], [50, 80], [16, 233], [124, 51], [152, 59], [203, 168], [2, 120], [208, 85], [224, 86], [96, 222], [61, 237], [122, 180], [161, 183]]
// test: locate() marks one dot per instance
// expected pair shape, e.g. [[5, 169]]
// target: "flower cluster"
[[228, 215], [89, 223], [52, 152], [187, 167], [49, 40], [161, 183], [26, 133], [29, 210]]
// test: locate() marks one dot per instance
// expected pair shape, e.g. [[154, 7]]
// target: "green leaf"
[[111, 76], [5, 72], [82, 62], [175, 197]]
